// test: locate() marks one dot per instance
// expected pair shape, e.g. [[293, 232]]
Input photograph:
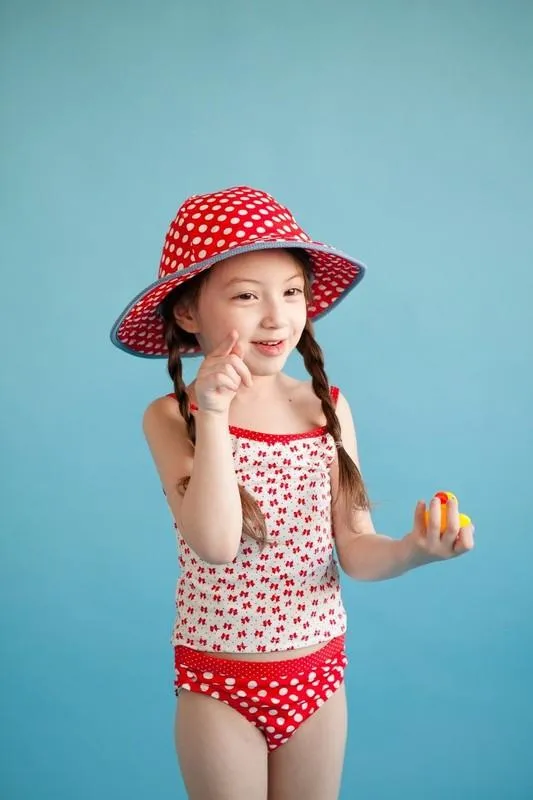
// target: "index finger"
[[226, 345]]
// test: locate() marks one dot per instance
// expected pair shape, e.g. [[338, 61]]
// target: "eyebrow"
[[251, 280]]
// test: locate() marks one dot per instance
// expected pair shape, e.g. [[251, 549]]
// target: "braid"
[[175, 370], [351, 485], [314, 363], [254, 523]]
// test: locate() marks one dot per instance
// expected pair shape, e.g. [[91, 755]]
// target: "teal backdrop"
[[402, 133]]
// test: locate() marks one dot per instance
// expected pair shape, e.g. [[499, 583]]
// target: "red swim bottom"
[[275, 696]]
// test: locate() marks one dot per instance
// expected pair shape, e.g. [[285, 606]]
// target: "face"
[[259, 294]]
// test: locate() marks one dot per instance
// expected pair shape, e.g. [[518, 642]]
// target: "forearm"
[[211, 512], [374, 557]]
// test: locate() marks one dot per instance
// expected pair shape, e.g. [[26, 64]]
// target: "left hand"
[[427, 542]]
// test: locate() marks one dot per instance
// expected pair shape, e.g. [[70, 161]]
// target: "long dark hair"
[[352, 490]]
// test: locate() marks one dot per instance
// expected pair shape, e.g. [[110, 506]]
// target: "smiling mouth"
[[270, 347]]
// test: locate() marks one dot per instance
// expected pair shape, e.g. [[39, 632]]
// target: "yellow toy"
[[444, 497]]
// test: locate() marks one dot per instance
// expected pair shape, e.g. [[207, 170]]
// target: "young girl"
[[261, 474]]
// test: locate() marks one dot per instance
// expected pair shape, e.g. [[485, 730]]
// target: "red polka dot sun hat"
[[211, 227]]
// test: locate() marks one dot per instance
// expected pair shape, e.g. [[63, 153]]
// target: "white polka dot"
[[262, 719], [290, 729], [262, 693], [230, 681], [252, 684], [202, 254], [283, 690], [208, 676], [281, 720], [270, 729], [298, 718], [215, 695], [204, 687], [274, 684], [310, 692], [312, 676]]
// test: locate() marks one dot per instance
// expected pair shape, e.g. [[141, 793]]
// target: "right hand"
[[220, 375]]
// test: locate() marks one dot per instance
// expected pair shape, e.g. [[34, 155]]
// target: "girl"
[[261, 474]]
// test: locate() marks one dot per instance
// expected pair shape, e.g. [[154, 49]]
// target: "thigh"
[[310, 764], [221, 755]]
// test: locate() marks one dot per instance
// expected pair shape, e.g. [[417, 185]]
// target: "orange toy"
[[444, 497]]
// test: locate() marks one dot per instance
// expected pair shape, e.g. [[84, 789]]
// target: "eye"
[[244, 296], [294, 291]]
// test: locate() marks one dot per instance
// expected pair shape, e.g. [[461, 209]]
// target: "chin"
[[264, 370]]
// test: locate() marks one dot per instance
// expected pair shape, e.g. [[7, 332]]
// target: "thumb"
[[227, 345]]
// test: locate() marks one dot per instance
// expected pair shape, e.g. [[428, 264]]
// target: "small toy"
[[444, 497]]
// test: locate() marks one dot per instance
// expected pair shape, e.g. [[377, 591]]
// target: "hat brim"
[[139, 329]]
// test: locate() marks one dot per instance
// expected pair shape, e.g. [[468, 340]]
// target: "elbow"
[[216, 554], [216, 559]]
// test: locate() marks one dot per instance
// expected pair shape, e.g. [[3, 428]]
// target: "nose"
[[274, 314]]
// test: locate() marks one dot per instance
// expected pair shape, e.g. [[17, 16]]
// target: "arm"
[[209, 513], [365, 555]]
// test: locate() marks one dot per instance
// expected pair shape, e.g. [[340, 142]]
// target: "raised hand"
[[220, 375]]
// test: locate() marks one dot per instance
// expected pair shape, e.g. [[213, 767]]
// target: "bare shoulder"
[[166, 434], [346, 422], [162, 408], [303, 395]]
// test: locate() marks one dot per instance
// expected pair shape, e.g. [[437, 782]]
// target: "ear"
[[186, 318]]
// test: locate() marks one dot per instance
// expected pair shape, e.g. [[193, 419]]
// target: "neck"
[[263, 387]]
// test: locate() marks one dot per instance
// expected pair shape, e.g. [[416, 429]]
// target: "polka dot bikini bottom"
[[275, 696]]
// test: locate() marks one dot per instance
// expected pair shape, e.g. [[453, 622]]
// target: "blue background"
[[402, 133]]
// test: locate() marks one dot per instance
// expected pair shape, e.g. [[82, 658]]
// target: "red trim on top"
[[283, 438]]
